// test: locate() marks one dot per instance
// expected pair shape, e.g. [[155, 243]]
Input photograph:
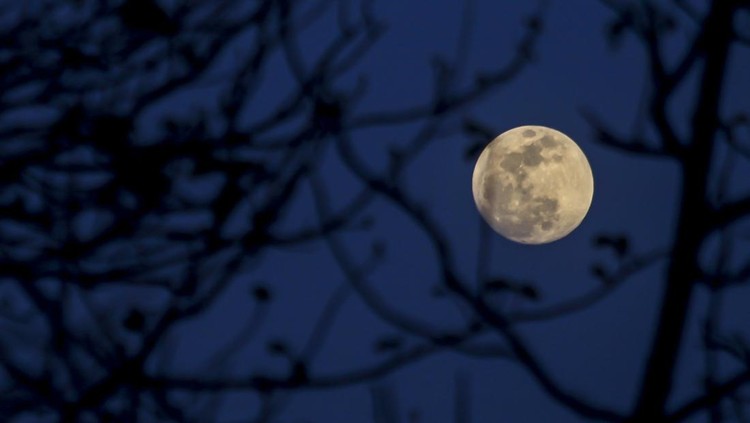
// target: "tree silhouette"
[[704, 207], [114, 191], [146, 174]]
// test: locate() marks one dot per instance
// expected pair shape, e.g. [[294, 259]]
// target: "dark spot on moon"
[[548, 141], [544, 212], [532, 155], [537, 213], [528, 133], [511, 162], [490, 187], [495, 192]]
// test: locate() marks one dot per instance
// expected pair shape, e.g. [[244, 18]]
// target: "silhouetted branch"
[[356, 277], [112, 183], [120, 68], [707, 50], [444, 103], [635, 145], [499, 322], [731, 212], [719, 392], [610, 281], [266, 383]]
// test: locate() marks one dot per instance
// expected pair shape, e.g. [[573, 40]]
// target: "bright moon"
[[533, 184]]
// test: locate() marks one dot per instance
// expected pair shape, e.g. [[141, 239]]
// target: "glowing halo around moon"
[[533, 184]]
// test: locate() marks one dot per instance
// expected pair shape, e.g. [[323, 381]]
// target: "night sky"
[[597, 353]]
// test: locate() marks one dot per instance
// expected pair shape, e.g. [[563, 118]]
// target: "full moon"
[[533, 184]]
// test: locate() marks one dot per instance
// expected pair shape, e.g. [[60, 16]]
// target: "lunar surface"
[[533, 184]]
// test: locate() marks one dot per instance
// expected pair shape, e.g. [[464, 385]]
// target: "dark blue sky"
[[597, 353]]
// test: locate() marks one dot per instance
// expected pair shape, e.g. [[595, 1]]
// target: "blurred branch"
[[695, 154], [443, 103], [729, 213], [462, 399], [499, 322], [719, 392], [356, 277], [264, 383], [634, 145], [610, 281]]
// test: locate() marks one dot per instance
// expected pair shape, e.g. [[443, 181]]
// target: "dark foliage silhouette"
[[108, 192]]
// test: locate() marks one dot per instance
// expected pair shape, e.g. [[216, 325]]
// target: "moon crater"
[[533, 184]]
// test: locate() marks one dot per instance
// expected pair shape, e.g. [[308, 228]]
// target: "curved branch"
[[730, 213], [719, 392], [518, 347], [592, 297]]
